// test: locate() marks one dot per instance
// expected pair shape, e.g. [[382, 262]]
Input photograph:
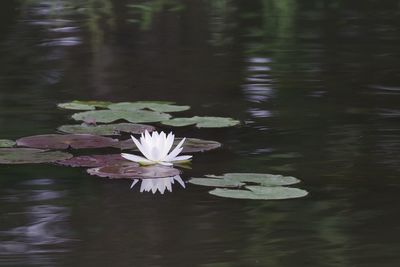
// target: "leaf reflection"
[[159, 184]]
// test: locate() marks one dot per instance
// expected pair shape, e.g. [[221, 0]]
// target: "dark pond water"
[[315, 83]]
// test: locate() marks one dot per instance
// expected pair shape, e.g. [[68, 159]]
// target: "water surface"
[[316, 85]]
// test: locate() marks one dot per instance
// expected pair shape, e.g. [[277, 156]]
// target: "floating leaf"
[[84, 105], [94, 161], [259, 178], [202, 122], [179, 122], [64, 141], [30, 155], [106, 129], [261, 193], [6, 143], [155, 106], [133, 170], [190, 145], [215, 182], [107, 116]]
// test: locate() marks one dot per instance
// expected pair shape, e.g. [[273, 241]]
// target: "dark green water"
[[316, 84]]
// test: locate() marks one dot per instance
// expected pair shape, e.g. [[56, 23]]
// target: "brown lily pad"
[[30, 155], [191, 145], [94, 161], [64, 141], [133, 171]]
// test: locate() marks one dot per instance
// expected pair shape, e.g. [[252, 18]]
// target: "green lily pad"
[[202, 122], [259, 178], [133, 170], [155, 106], [107, 116], [260, 193], [30, 155], [7, 143], [215, 182], [64, 141], [94, 161], [84, 105], [191, 145], [106, 129]]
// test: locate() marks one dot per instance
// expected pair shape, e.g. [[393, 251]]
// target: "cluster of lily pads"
[[106, 124]]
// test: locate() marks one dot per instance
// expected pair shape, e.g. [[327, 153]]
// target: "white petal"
[[165, 163], [141, 148], [144, 185], [162, 145], [135, 158], [173, 154], [176, 151], [168, 143], [169, 184], [162, 184], [135, 181], [180, 181], [155, 154]]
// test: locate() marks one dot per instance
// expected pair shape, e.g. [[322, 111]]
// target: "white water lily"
[[159, 184], [156, 149]]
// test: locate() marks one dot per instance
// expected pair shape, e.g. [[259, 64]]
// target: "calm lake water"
[[315, 83]]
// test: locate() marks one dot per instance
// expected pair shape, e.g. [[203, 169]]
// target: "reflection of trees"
[[148, 10]]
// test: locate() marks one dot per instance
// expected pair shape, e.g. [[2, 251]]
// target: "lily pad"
[[133, 170], [94, 161], [84, 105], [258, 178], [106, 129], [30, 155], [7, 143], [64, 141], [215, 182], [260, 193], [202, 122], [155, 106], [107, 116], [191, 145]]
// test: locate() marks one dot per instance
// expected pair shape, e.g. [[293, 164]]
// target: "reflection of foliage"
[[278, 19], [148, 10], [220, 24], [96, 11]]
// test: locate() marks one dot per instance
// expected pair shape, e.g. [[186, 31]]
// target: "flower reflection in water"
[[158, 184]]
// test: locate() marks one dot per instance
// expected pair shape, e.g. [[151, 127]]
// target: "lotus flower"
[[156, 149], [159, 184]]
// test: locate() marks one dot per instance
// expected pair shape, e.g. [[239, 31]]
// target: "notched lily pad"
[[202, 122], [106, 129], [191, 145], [84, 105], [215, 182], [30, 155], [64, 141], [133, 170], [259, 178], [107, 116], [94, 161], [260, 193], [155, 106], [7, 143]]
